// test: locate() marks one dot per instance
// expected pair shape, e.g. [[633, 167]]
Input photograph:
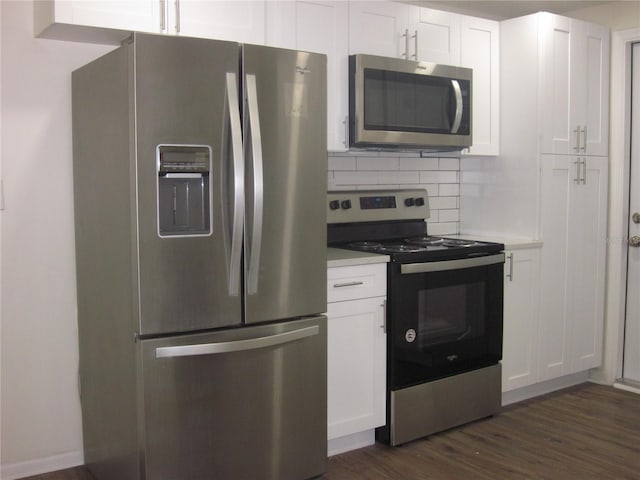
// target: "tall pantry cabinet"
[[554, 130]]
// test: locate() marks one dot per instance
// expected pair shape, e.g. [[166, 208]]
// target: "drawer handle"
[[347, 284]]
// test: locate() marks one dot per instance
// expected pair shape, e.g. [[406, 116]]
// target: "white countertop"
[[510, 243], [339, 257]]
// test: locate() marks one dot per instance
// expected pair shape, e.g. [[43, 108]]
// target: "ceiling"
[[502, 10]]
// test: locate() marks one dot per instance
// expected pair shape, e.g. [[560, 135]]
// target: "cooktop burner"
[[437, 241]]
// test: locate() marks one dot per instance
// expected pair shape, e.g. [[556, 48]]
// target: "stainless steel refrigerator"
[[200, 185]]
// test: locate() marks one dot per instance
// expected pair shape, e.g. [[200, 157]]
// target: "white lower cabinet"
[[356, 370], [521, 318]]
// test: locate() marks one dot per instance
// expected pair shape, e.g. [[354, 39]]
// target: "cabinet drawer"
[[358, 281]]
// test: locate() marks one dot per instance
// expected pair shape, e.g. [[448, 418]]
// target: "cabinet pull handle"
[[406, 44], [163, 16], [577, 164], [577, 132], [347, 284], [510, 271], [415, 45], [584, 139], [177, 16], [584, 171], [346, 131], [384, 316]]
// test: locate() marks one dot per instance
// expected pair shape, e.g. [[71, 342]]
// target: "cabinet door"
[[379, 28], [434, 36], [521, 315], [587, 252], [322, 27], [356, 376], [559, 134], [238, 20], [573, 221], [590, 86], [479, 51], [558, 173]]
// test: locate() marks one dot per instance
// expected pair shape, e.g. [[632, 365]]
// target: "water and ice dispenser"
[[184, 199]]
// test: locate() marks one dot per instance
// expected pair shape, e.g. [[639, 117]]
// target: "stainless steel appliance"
[[395, 103], [444, 311], [200, 237]]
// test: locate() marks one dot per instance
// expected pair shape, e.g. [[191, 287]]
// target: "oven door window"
[[450, 313]]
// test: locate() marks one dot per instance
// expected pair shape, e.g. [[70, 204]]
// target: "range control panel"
[[377, 205]]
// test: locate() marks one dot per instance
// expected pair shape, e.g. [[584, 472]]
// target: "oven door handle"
[[408, 268]]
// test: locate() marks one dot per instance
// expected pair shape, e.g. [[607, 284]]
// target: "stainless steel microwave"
[[402, 104]]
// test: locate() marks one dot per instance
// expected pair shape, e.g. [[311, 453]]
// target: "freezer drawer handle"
[[451, 264], [237, 345]]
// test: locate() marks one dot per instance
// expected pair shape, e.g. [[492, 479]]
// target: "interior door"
[[285, 135], [631, 368]]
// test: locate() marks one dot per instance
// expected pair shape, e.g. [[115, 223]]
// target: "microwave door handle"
[[237, 156], [258, 185], [459, 106]]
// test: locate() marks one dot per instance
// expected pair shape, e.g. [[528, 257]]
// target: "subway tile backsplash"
[[440, 176]]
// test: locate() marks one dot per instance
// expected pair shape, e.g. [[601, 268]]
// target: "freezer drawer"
[[238, 404]]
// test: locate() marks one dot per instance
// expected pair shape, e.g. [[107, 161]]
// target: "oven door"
[[445, 318]]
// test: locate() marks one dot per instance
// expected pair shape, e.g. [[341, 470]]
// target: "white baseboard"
[[351, 442], [543, 388], [627, 385], [39, 466]]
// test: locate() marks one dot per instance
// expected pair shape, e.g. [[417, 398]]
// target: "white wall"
[[41, 424]]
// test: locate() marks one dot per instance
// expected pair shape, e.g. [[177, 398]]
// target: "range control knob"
[[420, 201], [346, 204], [334, 204], [409, 202]]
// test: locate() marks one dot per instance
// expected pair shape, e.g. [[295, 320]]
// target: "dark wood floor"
[[582, 433]]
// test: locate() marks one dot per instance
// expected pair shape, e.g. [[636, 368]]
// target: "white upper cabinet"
[[234, 20], [479, 50], [397, 30], [111, 21], [321, 27], [433, 36], [574, 66], [378, 28]]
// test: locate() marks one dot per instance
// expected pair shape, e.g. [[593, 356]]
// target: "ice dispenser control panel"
[[184, 197]]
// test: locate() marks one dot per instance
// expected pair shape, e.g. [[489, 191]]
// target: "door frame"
[[618, 225]]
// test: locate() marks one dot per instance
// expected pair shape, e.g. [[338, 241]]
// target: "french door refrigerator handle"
[[236, 345], [459, 106], [258, 185], [441, 266], [238, 184]]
